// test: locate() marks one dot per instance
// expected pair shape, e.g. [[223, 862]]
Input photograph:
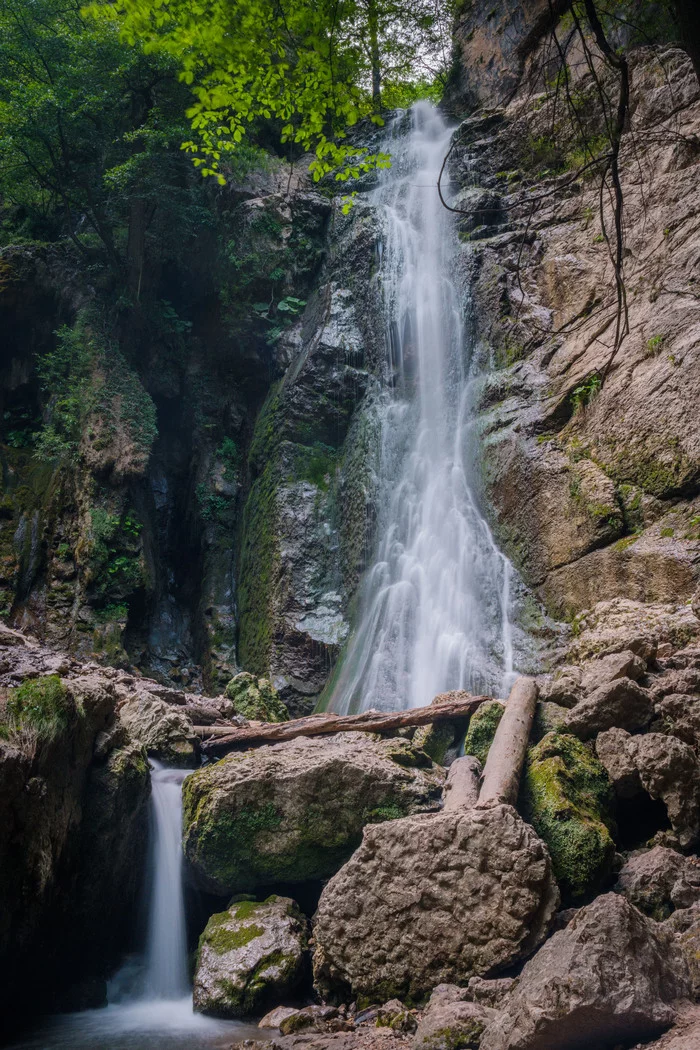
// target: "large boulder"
[[295, 811], [661, 765], [611, 976], [567, 797], [249, 957], [433, 899], [618, 704], [256, 698], [165, 731], [660, 880]]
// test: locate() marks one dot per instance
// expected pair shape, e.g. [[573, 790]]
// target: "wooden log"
[[501, 779], [218, 740], [462, 784]]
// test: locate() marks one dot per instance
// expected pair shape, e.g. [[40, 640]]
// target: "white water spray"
[[434, 608]]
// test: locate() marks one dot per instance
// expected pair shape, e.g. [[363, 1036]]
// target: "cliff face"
[[592, 477]]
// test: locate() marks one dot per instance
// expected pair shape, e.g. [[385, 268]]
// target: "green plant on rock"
[[37, 711], [567, 797], [256, 698], [583, 394]]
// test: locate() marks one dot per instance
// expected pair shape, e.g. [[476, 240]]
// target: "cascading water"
[[150, 999], [434, 608], [166, 948]]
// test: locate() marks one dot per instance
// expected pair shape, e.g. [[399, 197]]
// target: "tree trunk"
[[373, 25], [219, 740], [462, 784], [687, 15], [504, 764]]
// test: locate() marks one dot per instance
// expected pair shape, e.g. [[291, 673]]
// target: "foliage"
[[311, 69], [65, 377], [39, 708], [584, 393], [91, 129]]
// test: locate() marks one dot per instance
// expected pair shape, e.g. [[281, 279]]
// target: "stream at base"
[[149, 999]]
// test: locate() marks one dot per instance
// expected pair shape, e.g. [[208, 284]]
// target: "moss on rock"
[[482, 729], [567, 797], [256, 698]]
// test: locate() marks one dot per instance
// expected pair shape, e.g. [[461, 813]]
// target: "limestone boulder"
[[165, 731], [256, 699], [684, 924], [249, 957], [433, 899], [295, 811], [451, 1019], [664, 767], [567, 796], [618, 704], [611, 976], [660, 880]]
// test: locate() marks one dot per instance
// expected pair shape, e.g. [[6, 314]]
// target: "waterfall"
[[166, 948], [434, 606]]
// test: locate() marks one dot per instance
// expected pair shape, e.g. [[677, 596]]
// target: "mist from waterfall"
[[434, 606]]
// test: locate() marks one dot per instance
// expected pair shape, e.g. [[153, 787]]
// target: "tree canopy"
[[310, 68]]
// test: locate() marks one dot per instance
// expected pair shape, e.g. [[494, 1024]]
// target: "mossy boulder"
[[250, 957], [567, 797], [295, 811], [256, 698], [482, 729]]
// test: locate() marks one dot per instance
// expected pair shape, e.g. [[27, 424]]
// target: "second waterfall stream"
[[434, 610]]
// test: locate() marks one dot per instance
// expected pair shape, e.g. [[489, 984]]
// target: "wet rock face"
[[433, 899], [611, 975], [295, 811], [250, 957]]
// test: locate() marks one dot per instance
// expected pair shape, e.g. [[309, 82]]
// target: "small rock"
[[490, 993], [611, 667], [482, 729], [249, 956], [685, 926], [314, 1017], [619, 704], [611, 976], [274, 1018], [165, 731], [660, 880], [611, 749], [451, 1021]]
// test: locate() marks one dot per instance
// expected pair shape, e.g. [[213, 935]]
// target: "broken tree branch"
[[501, 779], [219, 740]]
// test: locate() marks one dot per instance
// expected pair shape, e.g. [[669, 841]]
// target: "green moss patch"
[[482, 729], [567, 797]]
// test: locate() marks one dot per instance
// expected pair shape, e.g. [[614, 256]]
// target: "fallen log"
[[504, 764], [219, 740], [462, 784]]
